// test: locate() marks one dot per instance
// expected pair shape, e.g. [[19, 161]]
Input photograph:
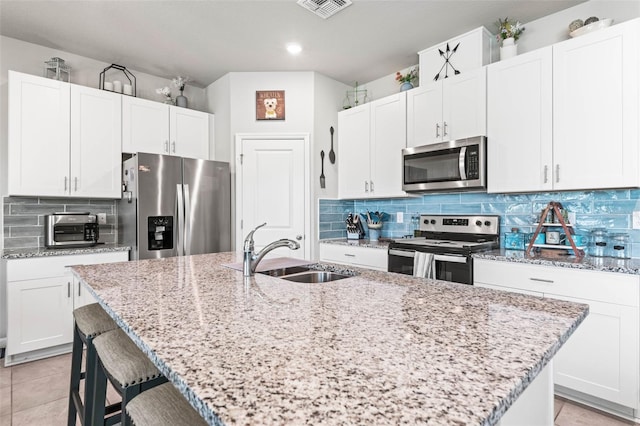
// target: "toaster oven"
[[64, 230]]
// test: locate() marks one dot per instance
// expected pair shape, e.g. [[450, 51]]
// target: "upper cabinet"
[[519, 136], [164, 129], [449, 109], [595, 107], [64, 140], [567, 117], [370, 142]]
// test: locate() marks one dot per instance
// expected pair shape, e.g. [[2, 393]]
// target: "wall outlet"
[[102, 218], [636, 220], [400, 217]]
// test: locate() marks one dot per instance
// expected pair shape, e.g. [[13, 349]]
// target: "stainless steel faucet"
[[251, 259]]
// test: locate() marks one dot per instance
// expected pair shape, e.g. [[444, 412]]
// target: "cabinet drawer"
[[367, 257], [608, 287], [54, 266]]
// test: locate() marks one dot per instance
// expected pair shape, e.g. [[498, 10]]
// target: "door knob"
[[298, 237]]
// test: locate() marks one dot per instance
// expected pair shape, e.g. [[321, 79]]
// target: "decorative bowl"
[[595, 26]]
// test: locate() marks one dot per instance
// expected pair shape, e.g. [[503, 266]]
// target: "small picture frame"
[[270, 105]]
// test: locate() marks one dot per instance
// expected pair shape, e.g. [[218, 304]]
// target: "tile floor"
[[35, 394]]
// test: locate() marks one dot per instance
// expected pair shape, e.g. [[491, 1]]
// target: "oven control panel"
[[471, 224]]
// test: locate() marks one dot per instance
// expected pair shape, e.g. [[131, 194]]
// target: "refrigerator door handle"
[[187, 221], [180, 231]]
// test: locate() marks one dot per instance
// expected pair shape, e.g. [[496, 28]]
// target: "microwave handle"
[[461, 163]]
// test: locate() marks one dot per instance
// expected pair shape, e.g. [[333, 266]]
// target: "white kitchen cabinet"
[[64, 139], [370, 142], [38, 152], [449, 109], [601, 358], [41, 296], [363, 257], [519, 123], [159, 128]]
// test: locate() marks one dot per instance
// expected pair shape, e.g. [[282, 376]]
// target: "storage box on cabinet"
[[164, 129], [64, 139], [601, 358], [41, 296], [366, 257]]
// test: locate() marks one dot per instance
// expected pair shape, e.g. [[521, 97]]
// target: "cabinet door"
[[39, 314], [81, 296], [595, 104], [145, 126], [96, 142], [365, 257], [601, 357], [424, 115], [519, 128], [388, 138], [189, 133], [353, 152], [38, 136], [464, 105]]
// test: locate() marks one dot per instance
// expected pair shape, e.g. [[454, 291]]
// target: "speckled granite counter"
[[604, 264], [43, 252], [378, 348], [383, 245]]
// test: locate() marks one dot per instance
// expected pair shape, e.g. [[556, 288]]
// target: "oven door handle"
[[402, 253], [449, 258], [461, 163]]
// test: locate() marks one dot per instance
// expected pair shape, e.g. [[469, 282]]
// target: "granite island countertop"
[[377, 348], [45, 252], [603, 264]]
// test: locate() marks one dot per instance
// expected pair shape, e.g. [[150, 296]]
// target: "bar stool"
[[90, 321], [163, 406], [130, 371]]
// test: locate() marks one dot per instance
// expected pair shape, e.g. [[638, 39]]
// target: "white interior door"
[[272, 185]]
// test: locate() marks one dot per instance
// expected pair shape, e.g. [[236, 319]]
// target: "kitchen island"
[[370, 349]]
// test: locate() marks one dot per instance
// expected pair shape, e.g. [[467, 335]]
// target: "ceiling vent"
[[324, 8]]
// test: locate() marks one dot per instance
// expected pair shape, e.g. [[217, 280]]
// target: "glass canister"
[[620, 247], [514, 240], [598, 242]]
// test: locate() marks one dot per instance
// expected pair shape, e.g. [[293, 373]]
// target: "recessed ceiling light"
[[294, 48]]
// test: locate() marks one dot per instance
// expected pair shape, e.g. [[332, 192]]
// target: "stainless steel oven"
[[454, 165], [451, 240]]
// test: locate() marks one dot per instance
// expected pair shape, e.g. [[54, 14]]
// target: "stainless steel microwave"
[[459, 165]]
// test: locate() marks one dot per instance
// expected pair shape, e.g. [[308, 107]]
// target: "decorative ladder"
[[568, 231]]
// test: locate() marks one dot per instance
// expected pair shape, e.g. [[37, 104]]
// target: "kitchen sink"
[[285, 271], [315, 277]]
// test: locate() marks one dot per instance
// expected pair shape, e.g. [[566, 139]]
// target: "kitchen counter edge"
[[45, 252], [382, 245]]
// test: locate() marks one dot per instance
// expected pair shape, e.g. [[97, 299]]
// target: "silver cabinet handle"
[[298, 237], [546, 173], [371, 185], [69, 289], [79, 289], [166, 146], [350, 255], [542, 280], [65, 184], [75, 183], [437, 130], [557, 172], [173, 147], [366, 186], [444, 129]]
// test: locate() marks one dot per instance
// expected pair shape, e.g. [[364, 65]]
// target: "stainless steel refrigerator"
[[173, 206]]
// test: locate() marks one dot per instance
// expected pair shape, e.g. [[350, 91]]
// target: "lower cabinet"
[[601, 358], [41, 296], [362, 257]]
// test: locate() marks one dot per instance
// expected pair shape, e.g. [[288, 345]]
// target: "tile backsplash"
[[612, 210], [24, 218]]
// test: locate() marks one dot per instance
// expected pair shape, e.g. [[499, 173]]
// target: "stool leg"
[[89, 379], [127, 394], [99, 395], [74, 386]]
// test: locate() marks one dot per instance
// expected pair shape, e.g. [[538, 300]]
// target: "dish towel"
[[423, 265]]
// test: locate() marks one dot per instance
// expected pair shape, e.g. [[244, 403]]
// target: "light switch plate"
[[102, 218], [399, 217], [636, 220]]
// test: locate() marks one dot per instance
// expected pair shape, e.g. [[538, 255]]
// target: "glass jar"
[[620, 246], [598, 242], [514, 240]]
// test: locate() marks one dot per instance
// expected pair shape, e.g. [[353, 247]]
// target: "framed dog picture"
[[270, 105]]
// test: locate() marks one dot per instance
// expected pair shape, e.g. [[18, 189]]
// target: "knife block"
[[353, 236]]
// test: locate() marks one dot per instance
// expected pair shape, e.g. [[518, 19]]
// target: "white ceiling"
[[208, 38]]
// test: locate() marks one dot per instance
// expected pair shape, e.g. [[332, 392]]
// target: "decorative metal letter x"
[[447, 56]]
